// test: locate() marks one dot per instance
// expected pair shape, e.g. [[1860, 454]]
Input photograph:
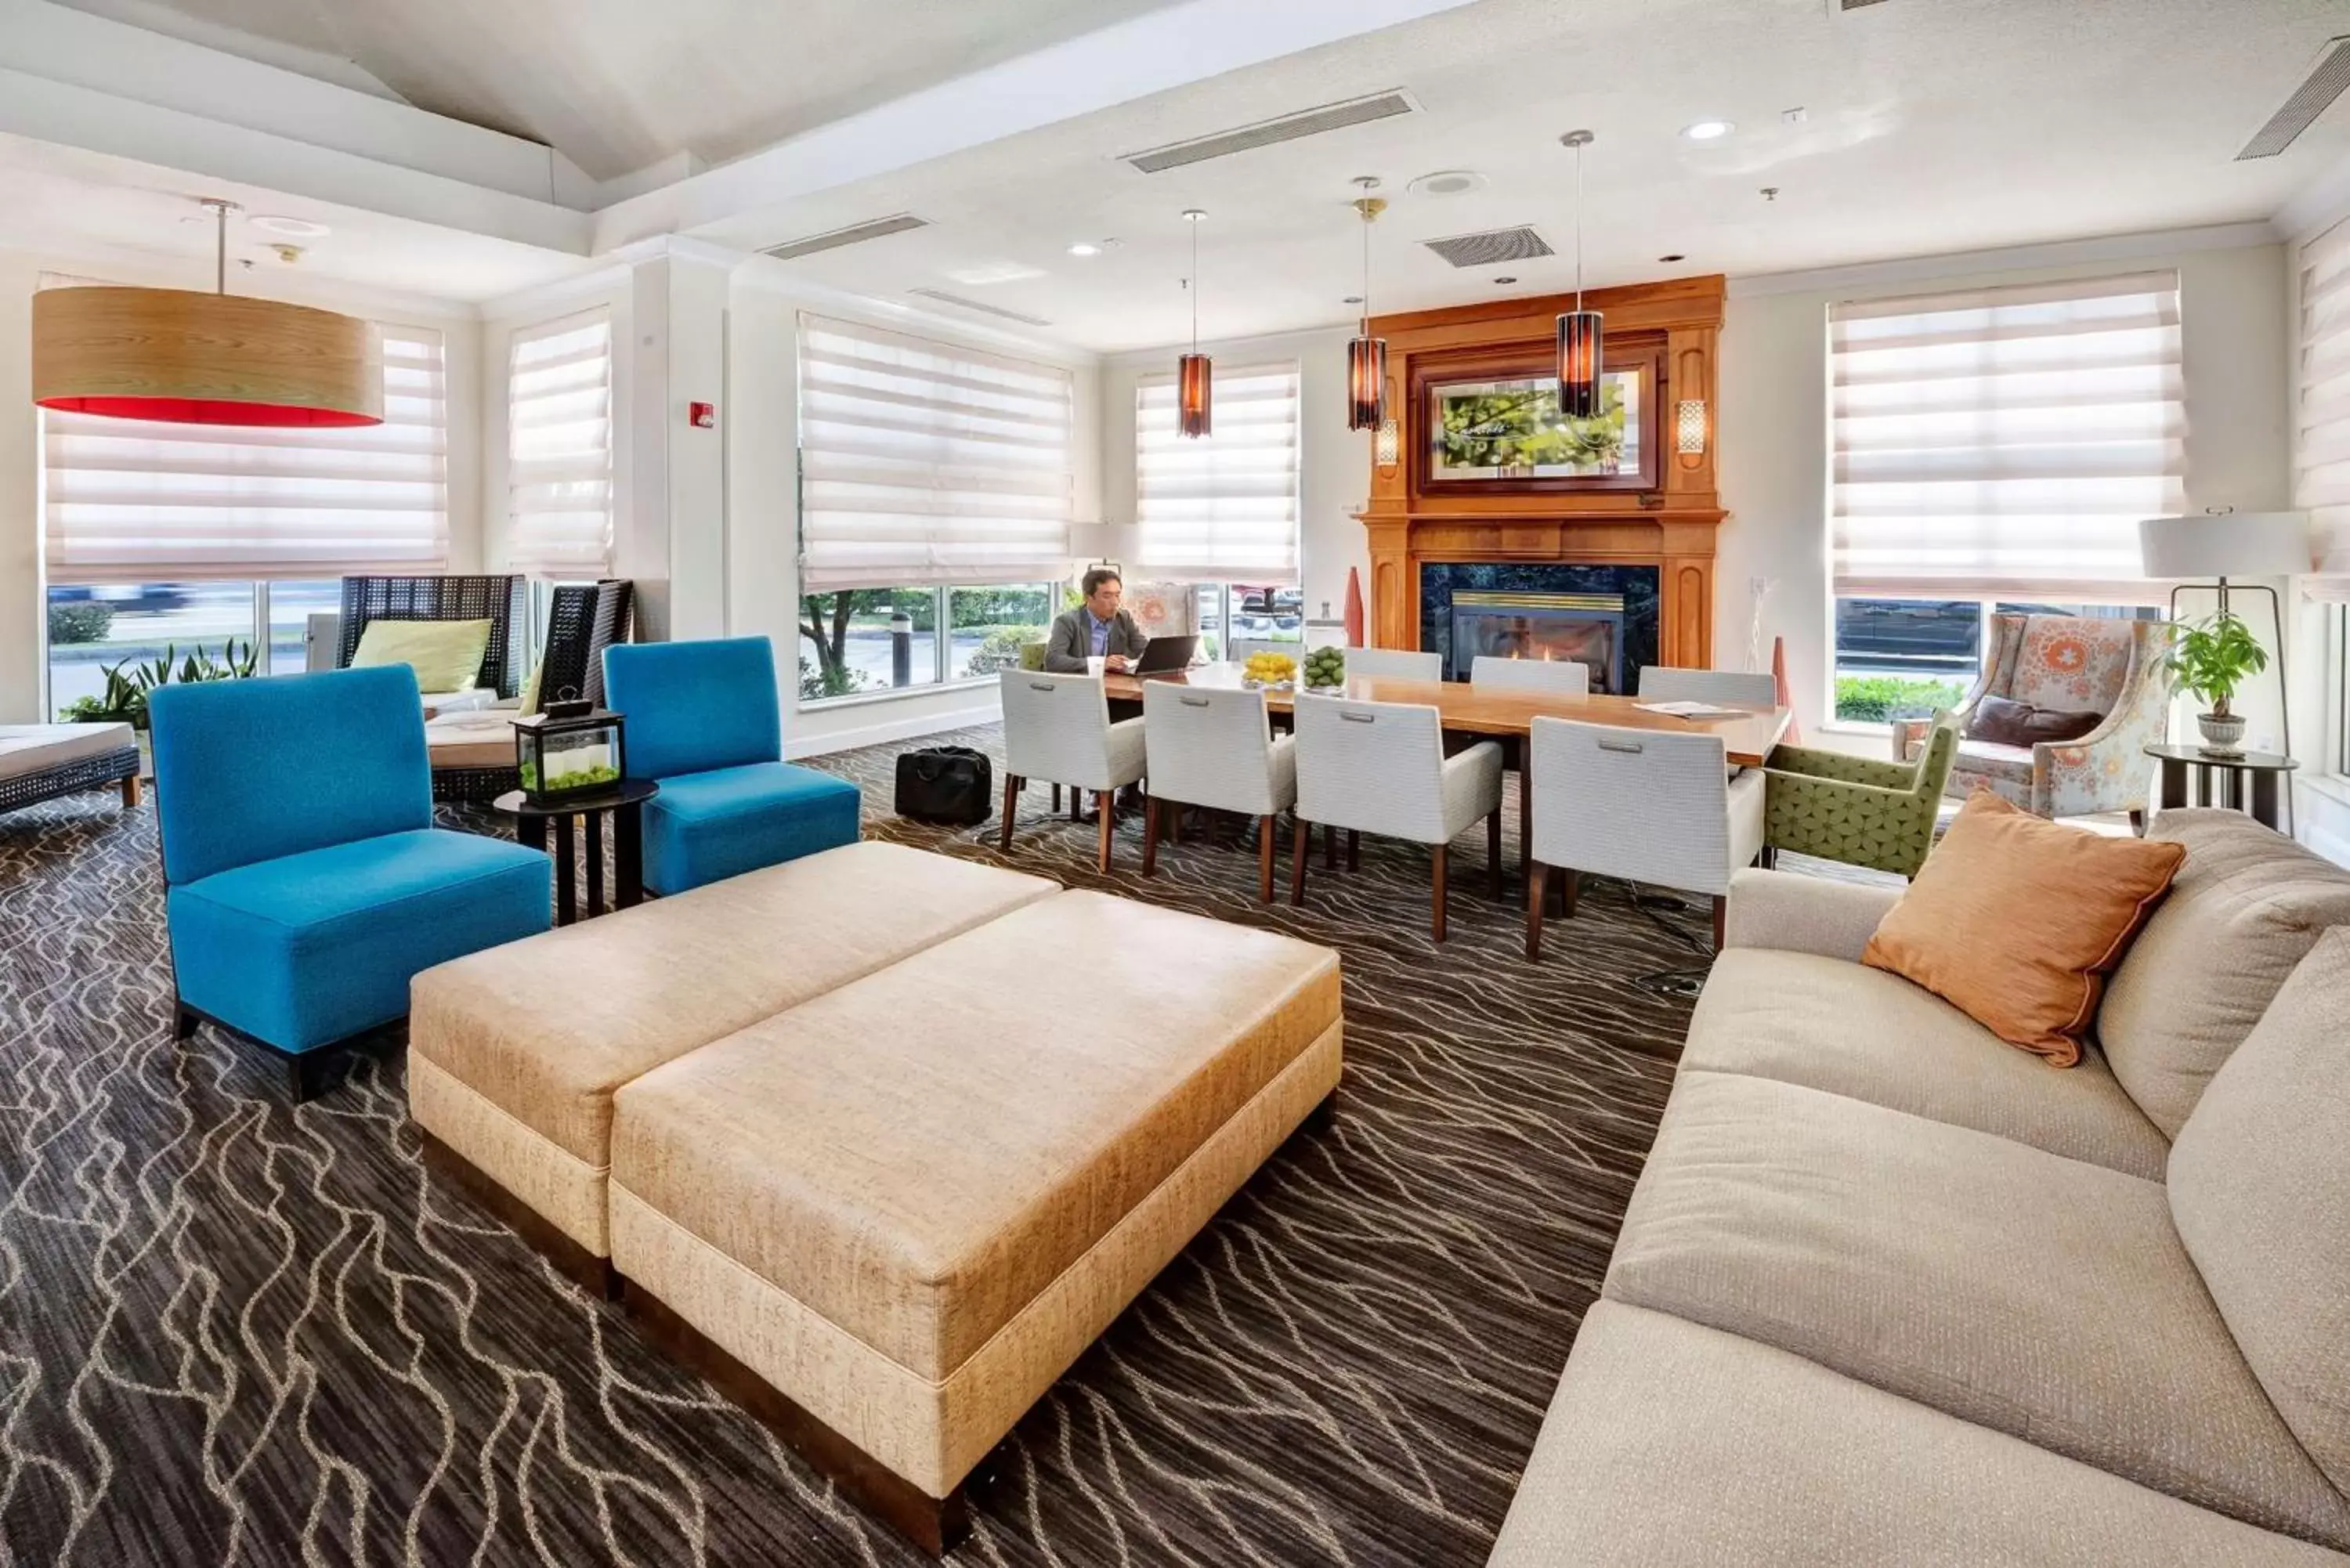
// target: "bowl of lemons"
[[1269, 669]]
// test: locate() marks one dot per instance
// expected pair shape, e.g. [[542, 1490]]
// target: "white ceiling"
[[116, 217], [1931, 126], [618, 85]]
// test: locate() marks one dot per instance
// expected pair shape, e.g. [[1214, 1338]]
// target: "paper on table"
[[1693, 710]]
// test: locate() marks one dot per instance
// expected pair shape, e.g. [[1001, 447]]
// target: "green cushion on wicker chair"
[[1863, 813]]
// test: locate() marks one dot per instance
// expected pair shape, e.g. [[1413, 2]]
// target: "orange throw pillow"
[[2016, 921]]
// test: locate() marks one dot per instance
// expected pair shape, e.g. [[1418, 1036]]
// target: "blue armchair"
[[704, 722], [305, 880]]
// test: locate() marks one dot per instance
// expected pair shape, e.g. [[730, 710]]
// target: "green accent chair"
[[1848, 808], [1031, 654]]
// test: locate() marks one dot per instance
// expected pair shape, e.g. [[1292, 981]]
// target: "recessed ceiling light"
[[1085, 248], [1447, 182], [1708, 129], [292, 228], [1674, 257]]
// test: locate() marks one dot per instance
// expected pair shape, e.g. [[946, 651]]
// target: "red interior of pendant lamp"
[[210, 411]]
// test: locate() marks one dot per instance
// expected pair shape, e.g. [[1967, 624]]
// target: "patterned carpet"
[[233, 1332]]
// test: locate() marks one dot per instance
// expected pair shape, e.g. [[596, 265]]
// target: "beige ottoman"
[[888, 1219], [513, 1053]]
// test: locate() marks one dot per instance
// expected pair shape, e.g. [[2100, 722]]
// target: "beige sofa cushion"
[[2260, 1185], [2043, 1297], [1672, 1445], [2241, 912], [1851, 1030], [544, 1029], [917, 1156]]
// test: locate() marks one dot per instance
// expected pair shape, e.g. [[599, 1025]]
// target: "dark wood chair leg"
[[1300, 839], [1494, 853], [1330, 847], [2137, 821], [1012, 803], [1574, 885], [1525, 822], [1106, 808], [1720, 910], [183, 1024], [1437, 893], [1149, 835], [1353, 850], [1769, 858], [1535, 880], [1265, 859], [1056, 800], [131, 789]]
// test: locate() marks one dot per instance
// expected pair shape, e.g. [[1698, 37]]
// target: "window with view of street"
[[873, 640], [124, 626], [1906, 659]]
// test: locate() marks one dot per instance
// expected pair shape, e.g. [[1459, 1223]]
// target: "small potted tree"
[[2208, 661]]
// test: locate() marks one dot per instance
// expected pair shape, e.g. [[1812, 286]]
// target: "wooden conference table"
[[1496, 711]]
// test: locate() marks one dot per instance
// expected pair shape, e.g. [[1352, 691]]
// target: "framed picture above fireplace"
[[1498, 428]]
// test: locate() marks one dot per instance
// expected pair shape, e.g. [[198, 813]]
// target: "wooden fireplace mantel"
[[1664, 518]]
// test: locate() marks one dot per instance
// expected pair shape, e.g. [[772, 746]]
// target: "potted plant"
[[129, 685], [2208, 661]]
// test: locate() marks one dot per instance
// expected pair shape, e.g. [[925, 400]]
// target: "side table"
[[625, 801], [2221, 780]]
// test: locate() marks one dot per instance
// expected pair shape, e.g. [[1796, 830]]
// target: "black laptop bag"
[[950, 784]]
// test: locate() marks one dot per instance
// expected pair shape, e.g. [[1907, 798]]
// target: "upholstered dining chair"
[[1214, 748], [2075, 664], [1393, 664], [1669, 683], [1649, 805], [1380, 768], [1056, 729], [1558, 677]]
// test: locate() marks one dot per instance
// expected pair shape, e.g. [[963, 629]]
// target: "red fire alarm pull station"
[[701, 416]]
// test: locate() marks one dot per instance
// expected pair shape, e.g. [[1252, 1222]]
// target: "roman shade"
[[926, 464], [2004, 443], [134, 501], [1221, 507], [559, 448], [2320, 474]]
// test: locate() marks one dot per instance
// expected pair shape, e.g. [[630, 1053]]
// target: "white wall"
[[1335, 462], [22, 589], [1774, 417], [723, 541]]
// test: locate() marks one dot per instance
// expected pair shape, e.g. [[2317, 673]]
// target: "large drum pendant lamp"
[[1366, 357], [218, 358], [1582, 344], [1194, 375]]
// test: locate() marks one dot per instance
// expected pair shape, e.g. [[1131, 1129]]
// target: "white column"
[[671, 536]]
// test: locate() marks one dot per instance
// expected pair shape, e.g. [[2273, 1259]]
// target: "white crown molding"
[[2009, 258]]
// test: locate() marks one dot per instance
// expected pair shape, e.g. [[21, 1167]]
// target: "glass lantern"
[[573, 748]]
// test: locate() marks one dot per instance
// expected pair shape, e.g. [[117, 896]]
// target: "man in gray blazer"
[[1095, 628]]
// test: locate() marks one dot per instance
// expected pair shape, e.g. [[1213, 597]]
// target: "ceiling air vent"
[[960, 303], [1491, 247], [2312, 98], [1840, 6], [856, 234], [1266, 133]]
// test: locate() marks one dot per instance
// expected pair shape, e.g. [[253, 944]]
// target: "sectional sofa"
[[1891, 1292]]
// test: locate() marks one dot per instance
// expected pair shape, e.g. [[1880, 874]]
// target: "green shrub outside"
[[1881, 699], [81, 620]]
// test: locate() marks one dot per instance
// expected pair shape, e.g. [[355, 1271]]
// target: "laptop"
[[1165, 656]]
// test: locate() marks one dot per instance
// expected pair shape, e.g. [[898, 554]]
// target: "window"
[[1221, 507], [94, 626], [2006, 440], [874, 640], [287, 608], [1906, 659], [131, 501], [929, 464], [559, 449]]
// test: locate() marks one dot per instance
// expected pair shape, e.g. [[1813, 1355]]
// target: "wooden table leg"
[[131, 789], [1265, 859], [628, 855], [532, 832], [2264, 799], [1012, 803], [567, 891], [2174, 783], [595, 864], [1149, 835]]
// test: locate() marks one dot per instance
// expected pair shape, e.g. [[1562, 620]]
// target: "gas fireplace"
[[1604, 617]]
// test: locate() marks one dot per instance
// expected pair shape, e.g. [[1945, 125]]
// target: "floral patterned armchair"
[[2082, 664]]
